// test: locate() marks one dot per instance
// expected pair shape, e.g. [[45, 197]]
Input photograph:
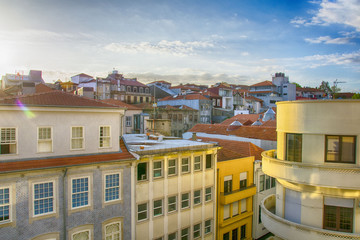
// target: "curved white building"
[[317, 168]]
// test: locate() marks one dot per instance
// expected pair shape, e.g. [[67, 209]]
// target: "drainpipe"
[[64, 207]]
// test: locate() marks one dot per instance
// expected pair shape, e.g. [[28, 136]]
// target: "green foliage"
[[297, 85], [356, 96]]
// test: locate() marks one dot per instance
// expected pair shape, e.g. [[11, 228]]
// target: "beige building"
[[317, 169], [175, 188]]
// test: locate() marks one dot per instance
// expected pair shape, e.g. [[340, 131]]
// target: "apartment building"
[[64, 174], [317, 171], [175, 185]]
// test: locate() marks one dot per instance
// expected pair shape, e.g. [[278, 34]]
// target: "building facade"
[[317, 170]]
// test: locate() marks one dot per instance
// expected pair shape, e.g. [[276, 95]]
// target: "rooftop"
[[120, 104], [185, 97], [264, 83]]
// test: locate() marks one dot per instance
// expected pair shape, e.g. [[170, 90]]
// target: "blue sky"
[[204, 42]]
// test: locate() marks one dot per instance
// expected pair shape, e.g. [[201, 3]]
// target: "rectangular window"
[[185, 200], [243, 180], [142, 171], [158, 169], [228, 184], [226, 236], [226, 211], [113, 231], [172, 204], [80, 192], [208, 226], [234, 234], [104, 136], [158, 207], [172, 236], [112, 187], [172, 166], [293, 147], [77, 138], [185, 234], [340, 149], [267, 182], [128, 121], [44, 139], [8, 141], [208, 161], [243, 232], [197, 197], [235, 208], [197, 231], [43, 198], [197, 163], [338, 214], [259, 220], [142, 211], [243, 205], [262, 183], [5, 207], [180, 118], [208, 194], [185, 165], [273, 182]]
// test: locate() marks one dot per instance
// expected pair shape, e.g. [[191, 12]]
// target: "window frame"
[[208, 194], [174, 167], [45, 140], [340, 137], [295, 148], [112, 187], [243, 202], [197, 200], [185, 165], [172, 203], [243, 182], [146, 172], [82, 138], [144, 211], [197, 231], [106, 235], [169, 237], [54, 197], [199, 163], [337, 219], [9, 204], [9, 142], [103, 138], [157, 169], [186, 200], [161, 207], [81, 231], [88, 192], [228, 184], [128, 121], [211, 161], [208, 226], [187, 234]]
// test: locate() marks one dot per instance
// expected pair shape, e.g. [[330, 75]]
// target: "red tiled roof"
[[121, 104], [232, 149], [54, 98], [161, 82], [66, 161], [210, 94], [128, 82], [3, 94], [187, 97], [40, 88], [242, 118], [264, 83], [256, 132], [83, 75], [308, 89], [257, 92], [270, 123], [253, 98], [144, 106]]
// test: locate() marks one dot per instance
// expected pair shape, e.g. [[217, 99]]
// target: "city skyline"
[[202, 42]]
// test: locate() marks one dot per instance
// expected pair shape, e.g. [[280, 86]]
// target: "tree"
[[356, 96], [330, 91], [297, 85]]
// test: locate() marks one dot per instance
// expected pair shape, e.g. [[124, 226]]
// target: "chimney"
[[194, 138]]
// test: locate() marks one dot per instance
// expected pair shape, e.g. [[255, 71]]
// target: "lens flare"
[[27, 112]]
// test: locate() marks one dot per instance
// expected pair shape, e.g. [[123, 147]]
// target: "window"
[[195, 118], [226, 236], [142, 172], [146, 90], [228, 184], [185, 168], [8, 141], [141, 90], [5, 207], [157, 169], [172, 167], [243, 205], [43, 197], [226, 211], [80, 192], [185, 234], [172, 204], [197, 231], [273, 182], [128, 121], [208, 226], [235, 208], [208, 194], [338, 214], [44, 139], [169, 116], [262, 183], [243, 232], [180, 118], [172, 236], [197, 163], [197, 197], [243, 180], [83, 235], [158, 207], [128, 89], [112, 187], [142, 211], [293, 147], [267, 182], [77, 138], [185, 200], [340, 149], [190, 118], [234, 234], [208, 161], [113, 231], [259, 220], [104, 136]]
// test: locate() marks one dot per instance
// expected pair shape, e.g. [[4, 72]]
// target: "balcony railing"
[[323, 175], [226, 198], [289, 230]]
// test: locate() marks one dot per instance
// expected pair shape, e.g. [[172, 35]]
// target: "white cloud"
[[328, 40], [176, 48]]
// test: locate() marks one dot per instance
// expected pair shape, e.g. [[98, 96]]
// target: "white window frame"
[[112, 234], [144, 211], [9, 204], [197, 198], [174, 203], [186, 200], [128, 121], [208, 194], [208, 228], [199, 163], [9, 141], [104, 138], [184, 165], [113, 187], [187, 234], [146, 174], [173, 233], [48, 140], [88, 192], [160, 207], [197, 231], [77, 138], [172, 167], [54, 197], [161, 169]]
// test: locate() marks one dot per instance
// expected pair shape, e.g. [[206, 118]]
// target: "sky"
[[184, 41]]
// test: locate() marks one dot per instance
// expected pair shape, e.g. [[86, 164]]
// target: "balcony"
[[289, 230], [342, 176], [227, 198]]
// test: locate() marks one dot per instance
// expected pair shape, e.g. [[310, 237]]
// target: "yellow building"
[[317, 168], [235, 188]]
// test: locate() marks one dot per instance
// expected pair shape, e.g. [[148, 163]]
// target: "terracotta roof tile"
[[257, 92], [264, 83], [121, 104], [187, 97], [128, 82], [40, 88]]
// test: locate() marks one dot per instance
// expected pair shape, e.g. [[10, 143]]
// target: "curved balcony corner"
[[321, 175], [289, 230]]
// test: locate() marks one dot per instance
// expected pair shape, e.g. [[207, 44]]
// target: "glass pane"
[[332, 148], [347, 149]]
